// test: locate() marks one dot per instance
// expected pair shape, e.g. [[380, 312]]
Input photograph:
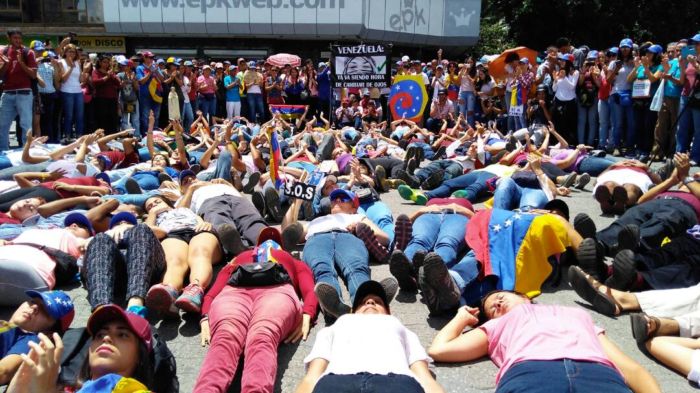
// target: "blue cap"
[[656, 49], [58, 305], [614, 50], [524, 60], [104, 177], [695, 38], [626, 43], [105, 160], [160, 61], [339, 193], [80, 219], [592, 55], [188, 63], [252, 64], [121, 217], [185, 173]]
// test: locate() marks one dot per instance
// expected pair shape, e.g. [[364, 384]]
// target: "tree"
[[494, 37]]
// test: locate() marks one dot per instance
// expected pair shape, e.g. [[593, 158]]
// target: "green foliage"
[[597, 23], [494, 37]]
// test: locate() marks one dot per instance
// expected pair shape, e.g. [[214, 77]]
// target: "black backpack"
[[77, 341]]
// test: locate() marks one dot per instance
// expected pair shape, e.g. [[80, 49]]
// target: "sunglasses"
[[342, 198]]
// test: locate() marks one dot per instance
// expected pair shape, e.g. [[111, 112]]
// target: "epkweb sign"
[[203, 5]]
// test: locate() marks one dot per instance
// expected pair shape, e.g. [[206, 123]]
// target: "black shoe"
[[420, 155], [403, 230], [440, 291], [291, 235], [410, 153], [132, 187], [411, 180], [624, 271], [230, 239], [272, 203], [163, 177], [330, 301], [582, 181], [590, 258], [401, 268], [628, 237], [418, 259], [412, 165], [196, 168], [259, 202], [253, 180], [391, 288], [380, 174], [433, 181], [584, 225], [439, 153]]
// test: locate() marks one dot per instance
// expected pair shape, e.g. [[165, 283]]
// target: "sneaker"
[[253, 181], [161, 298], [624, 271], [403, 232], [420, 155], [584, 225], [410, 153], [419, 259], [132, 187], [628, 237], [440, 291], [433, 181], [569, 180], [439, 153], [191, 299], [258, 199], [141, 311], [590, 258], [272, 203], [459, 194], [411, 180], [163, 177], [380, 174], [376, 249], [582, 181], [401, 268], [329, 300], [411, 166], [291, 235], [391, 288], [230, 239], [410, 194]]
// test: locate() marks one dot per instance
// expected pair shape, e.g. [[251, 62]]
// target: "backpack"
[[77, 341]]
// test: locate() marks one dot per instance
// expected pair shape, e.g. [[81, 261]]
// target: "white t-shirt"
[[176, 219], [72, 84], [376, 344], [332, 222], [200, 195], [625, 176], [186, 88]]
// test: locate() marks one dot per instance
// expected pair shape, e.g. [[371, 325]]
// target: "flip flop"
[[589, 290], [640, 332]]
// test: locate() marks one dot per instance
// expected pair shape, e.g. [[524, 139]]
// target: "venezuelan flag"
[[114, 383], [275, 158], [514, 247], [288, 112]]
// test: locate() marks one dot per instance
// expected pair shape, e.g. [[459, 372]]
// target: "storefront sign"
[[361, 66], [102, 44]]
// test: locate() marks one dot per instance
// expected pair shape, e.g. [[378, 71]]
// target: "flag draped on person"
[[515, 247], [275, 158], [408, 97], [288, 112]]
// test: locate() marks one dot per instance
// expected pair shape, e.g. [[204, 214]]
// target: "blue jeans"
[[380, 214], [367, 383], [131, 119], [256, 107], [442, 233], [561, 376], [624, 123], [594, 166], [465, 273], [132, 199], [429, 153], [147, 180], [146, 105], [509, 195], [187, 116], [326, 252], [12, 105], [688, 130], [606, 121], [473, 182], [587, 116], [452, 169], [208, 106], [467, 101], [73, 111]]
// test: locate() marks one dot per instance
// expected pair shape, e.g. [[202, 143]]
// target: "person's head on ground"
[[157, 203], [44, 312], [498, 303], [79, 225], [344, 201], [25, 208], [371, 298], [121, 344]]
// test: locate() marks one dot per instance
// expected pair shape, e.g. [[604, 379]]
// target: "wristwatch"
[[689, 179]]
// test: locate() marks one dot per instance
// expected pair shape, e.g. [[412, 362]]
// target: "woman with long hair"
[[564, 86], [107, 85], [621, 96], [647, 68], [293, 86], [72, 76]]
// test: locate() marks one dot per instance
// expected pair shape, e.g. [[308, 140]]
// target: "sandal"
[[589, 290], [640, 329]]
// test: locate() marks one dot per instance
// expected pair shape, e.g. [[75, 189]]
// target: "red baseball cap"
[[111, 312]]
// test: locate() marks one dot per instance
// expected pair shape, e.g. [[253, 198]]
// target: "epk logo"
[[407, 16]]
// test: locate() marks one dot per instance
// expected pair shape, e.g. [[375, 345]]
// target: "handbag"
[[259, 273], [66, 268], [658, 99], [641, 88]]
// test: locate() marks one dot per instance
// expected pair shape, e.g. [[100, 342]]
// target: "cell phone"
[[688, 50]]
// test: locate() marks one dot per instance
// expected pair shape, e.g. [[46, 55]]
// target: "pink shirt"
[[543, 332], [211, 84]]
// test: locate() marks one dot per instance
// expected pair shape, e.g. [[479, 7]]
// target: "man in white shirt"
[[368, 351]]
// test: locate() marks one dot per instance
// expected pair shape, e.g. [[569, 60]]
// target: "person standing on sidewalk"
[[17, 68]]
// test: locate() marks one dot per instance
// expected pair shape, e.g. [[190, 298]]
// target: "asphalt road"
[[479, 376]]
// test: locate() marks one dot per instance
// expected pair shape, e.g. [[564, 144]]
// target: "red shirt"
[[15, 77], [299, 273], [76, 181], [105, 88], [120, 159]]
